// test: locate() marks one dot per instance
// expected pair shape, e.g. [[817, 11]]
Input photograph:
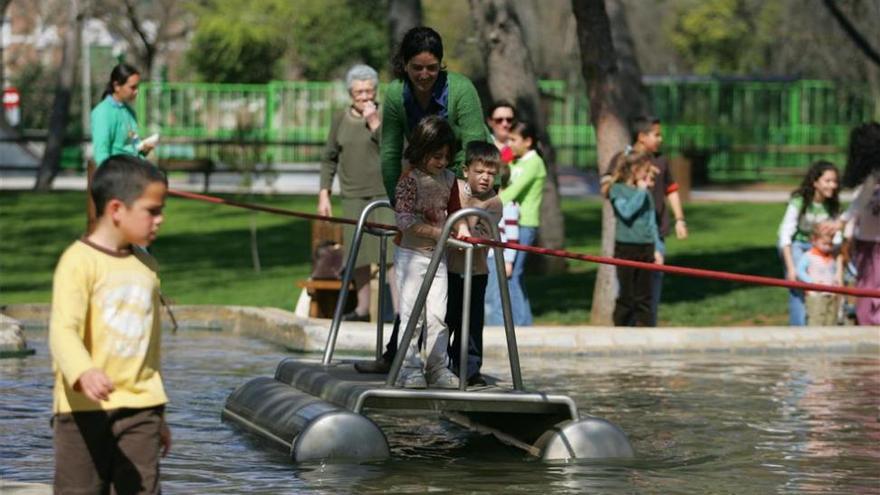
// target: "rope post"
[[91, 211]]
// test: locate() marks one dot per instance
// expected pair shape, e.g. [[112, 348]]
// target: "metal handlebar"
[[349, 273], [422, 297]]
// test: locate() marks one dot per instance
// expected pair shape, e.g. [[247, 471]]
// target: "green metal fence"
[[741, 130]]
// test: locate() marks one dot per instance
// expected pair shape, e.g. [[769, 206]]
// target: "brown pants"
[[101, 452], [633, 305], [821, 310]]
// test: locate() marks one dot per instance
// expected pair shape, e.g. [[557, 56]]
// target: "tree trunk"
[[4, 6], [608, 113], [511, 76], [403, 15], [61, 106], [634, 92]]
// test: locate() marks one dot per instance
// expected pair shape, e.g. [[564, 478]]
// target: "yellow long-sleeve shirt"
[[105, 315]]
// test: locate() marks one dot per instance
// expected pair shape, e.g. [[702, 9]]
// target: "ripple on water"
[[699, 424]]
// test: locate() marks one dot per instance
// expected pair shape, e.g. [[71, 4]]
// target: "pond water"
[[699, 423]]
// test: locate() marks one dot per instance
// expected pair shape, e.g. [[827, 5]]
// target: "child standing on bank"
[[481, 164], [421, 200], [104, 337], [648, 139], [527, 176], [820, 266], [508, 230], [816, 200], [635, 238]]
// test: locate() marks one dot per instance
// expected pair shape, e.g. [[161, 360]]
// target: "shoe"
[[412, 379], [353, 316], [378, 367], [477, 381], [443, 378]]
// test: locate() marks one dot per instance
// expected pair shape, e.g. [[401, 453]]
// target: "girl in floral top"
[[422, 197]]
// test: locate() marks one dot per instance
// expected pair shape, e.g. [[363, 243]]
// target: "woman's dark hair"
[[432, 134], [501, 104], [806, 191], [415, 41], [527, 129], [118, 75], [864, 153]]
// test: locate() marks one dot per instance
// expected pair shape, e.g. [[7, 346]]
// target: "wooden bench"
[[324, 294], [198, 165]]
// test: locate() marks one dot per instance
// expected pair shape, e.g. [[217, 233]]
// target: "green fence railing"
[[745, 130]]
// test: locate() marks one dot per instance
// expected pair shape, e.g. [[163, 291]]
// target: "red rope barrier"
[[677, 270]]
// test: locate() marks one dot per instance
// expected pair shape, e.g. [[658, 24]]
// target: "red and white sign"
[[11, 97], [11, 100]]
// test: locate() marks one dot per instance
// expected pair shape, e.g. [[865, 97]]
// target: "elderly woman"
[[352, 153], [423, 87]]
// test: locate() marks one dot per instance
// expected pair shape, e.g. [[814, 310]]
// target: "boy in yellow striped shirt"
[[104, 337]]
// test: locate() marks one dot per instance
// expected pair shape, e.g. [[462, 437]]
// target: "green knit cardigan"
[[465, 115]]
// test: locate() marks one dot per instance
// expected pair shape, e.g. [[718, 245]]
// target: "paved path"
[[305, 179]]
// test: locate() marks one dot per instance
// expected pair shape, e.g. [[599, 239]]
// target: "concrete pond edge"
[[307, 335]]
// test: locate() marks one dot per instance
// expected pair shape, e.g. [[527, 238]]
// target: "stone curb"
[[12, 340], [299, 334], [21, 488]]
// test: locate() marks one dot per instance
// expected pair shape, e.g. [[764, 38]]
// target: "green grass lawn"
[[204, 251]]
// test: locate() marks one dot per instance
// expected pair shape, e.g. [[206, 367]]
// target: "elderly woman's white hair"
[[361, 72]]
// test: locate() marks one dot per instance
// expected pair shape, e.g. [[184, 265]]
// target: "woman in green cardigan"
[[423, 88], [114, 124]]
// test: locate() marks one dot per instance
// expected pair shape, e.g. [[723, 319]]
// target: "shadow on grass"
[[561, 293], [230, 249], [759, 261]]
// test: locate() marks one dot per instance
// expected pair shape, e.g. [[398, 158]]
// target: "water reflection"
[[798, 423]]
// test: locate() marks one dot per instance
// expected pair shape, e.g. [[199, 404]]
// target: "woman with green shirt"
[[526, 188], [114, 124], [423, 88]]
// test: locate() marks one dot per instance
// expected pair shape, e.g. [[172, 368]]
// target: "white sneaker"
[[443, 378], [412, 379]]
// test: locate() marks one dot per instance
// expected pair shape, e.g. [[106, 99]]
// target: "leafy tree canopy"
[[261, 40], [238, 41], [329, 36], [724, 36]]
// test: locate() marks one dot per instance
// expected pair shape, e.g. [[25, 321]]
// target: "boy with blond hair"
[[104, 338], [819, 265]]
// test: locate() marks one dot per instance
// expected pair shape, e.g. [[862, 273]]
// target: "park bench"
[[196, 165], [324, 293]]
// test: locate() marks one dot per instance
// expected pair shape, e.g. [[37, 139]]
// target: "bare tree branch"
[[852, 32]]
